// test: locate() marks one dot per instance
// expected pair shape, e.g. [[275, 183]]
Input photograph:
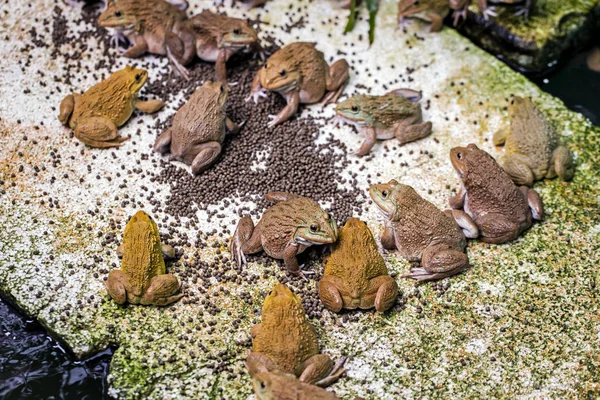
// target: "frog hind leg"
[[329, 293], [98, 132], [259, 362], [381, 292], [412, 130], [293, 102], [66, 109], [518, 170], [464, 222], [162, 144], [534, 201], [320, 370], [116, 286], [161, 291], [150, 106], [495, 228], [246, 240], [204, 155], [439, 261], [337, 77], [562, 163]]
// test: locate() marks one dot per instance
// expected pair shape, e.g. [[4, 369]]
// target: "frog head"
[[281, 299], [118, 14], [236, 33], [355, 110], [132, 78], [468, 159], [281, 72], [313, 225], [216, 90]]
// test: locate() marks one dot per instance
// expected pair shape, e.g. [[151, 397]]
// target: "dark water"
[[34, 366]]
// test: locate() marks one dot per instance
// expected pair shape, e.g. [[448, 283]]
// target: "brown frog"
[[154, 26], [395, 114], [142, 278], [95, 115], [198, 129], [285, 230], [285, 341], [282, 386], [355, 273], [490, 199], [531, 146], [420, 232], [300, 74], [218, 37], [432, 11]]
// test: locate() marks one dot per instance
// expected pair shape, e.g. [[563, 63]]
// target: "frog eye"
[[138, 77], [118, 13], [266, 66], [313, 228], [416, 3], [354, 108], [263, 385], [282, 72], [459, 156], [236, 31], [384, 193]]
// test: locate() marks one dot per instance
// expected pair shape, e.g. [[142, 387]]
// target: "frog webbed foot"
[[98, 132], [161, 291], [329, 293], [246, 240], [439, 261], [489, 12], [207, 154], [116, 286], [66, 109], [319, 370], [562, 163]]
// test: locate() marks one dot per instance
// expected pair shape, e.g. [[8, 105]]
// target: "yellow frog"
[[142, 278], [285, 341], [95, 115], [300, 74]]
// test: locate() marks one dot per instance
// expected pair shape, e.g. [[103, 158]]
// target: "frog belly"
[[385, 133]]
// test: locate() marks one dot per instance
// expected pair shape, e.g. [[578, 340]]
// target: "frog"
[[490, 199], [218, 37], [285, 341], [96, 114], [282, 386], [154, 26], [532, 149], [355, 273], [420, 232], [395, 114], [142, 278], [432, 11], [286, 229], [199, 127], [300, 74]]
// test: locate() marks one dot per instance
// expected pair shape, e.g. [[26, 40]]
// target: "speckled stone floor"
[[523, 322]]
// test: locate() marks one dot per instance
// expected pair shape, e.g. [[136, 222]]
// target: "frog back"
[[533, 137], [286, 337], [200, 120], [313, 69], [389, 110], [110, 98], [142, 256]]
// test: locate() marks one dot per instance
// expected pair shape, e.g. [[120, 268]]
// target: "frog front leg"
[[516, 166], [98, 132], [388, 239], [161, 291], [66, 109], [330, 288], [439, 261], [370, 140], [458, 200], [319, 370], [293, 102], [289, 258], [220, 64], [206, 155], [381, 293], [256, 89], [246, 240], [562, 163], [437, 22], [337, 77]]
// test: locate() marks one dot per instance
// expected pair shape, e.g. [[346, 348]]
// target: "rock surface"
[[522, 322]]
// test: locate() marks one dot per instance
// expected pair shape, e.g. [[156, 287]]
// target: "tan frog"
[[300, 74], [531, 146], [420, 232], [95, 115], [490, 199], [282, 386], [285, 230], [355, 273], [432, 11], [395, 114], [142, 278], [198, 129], [218, 37], [285, 341], [154, 26]]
